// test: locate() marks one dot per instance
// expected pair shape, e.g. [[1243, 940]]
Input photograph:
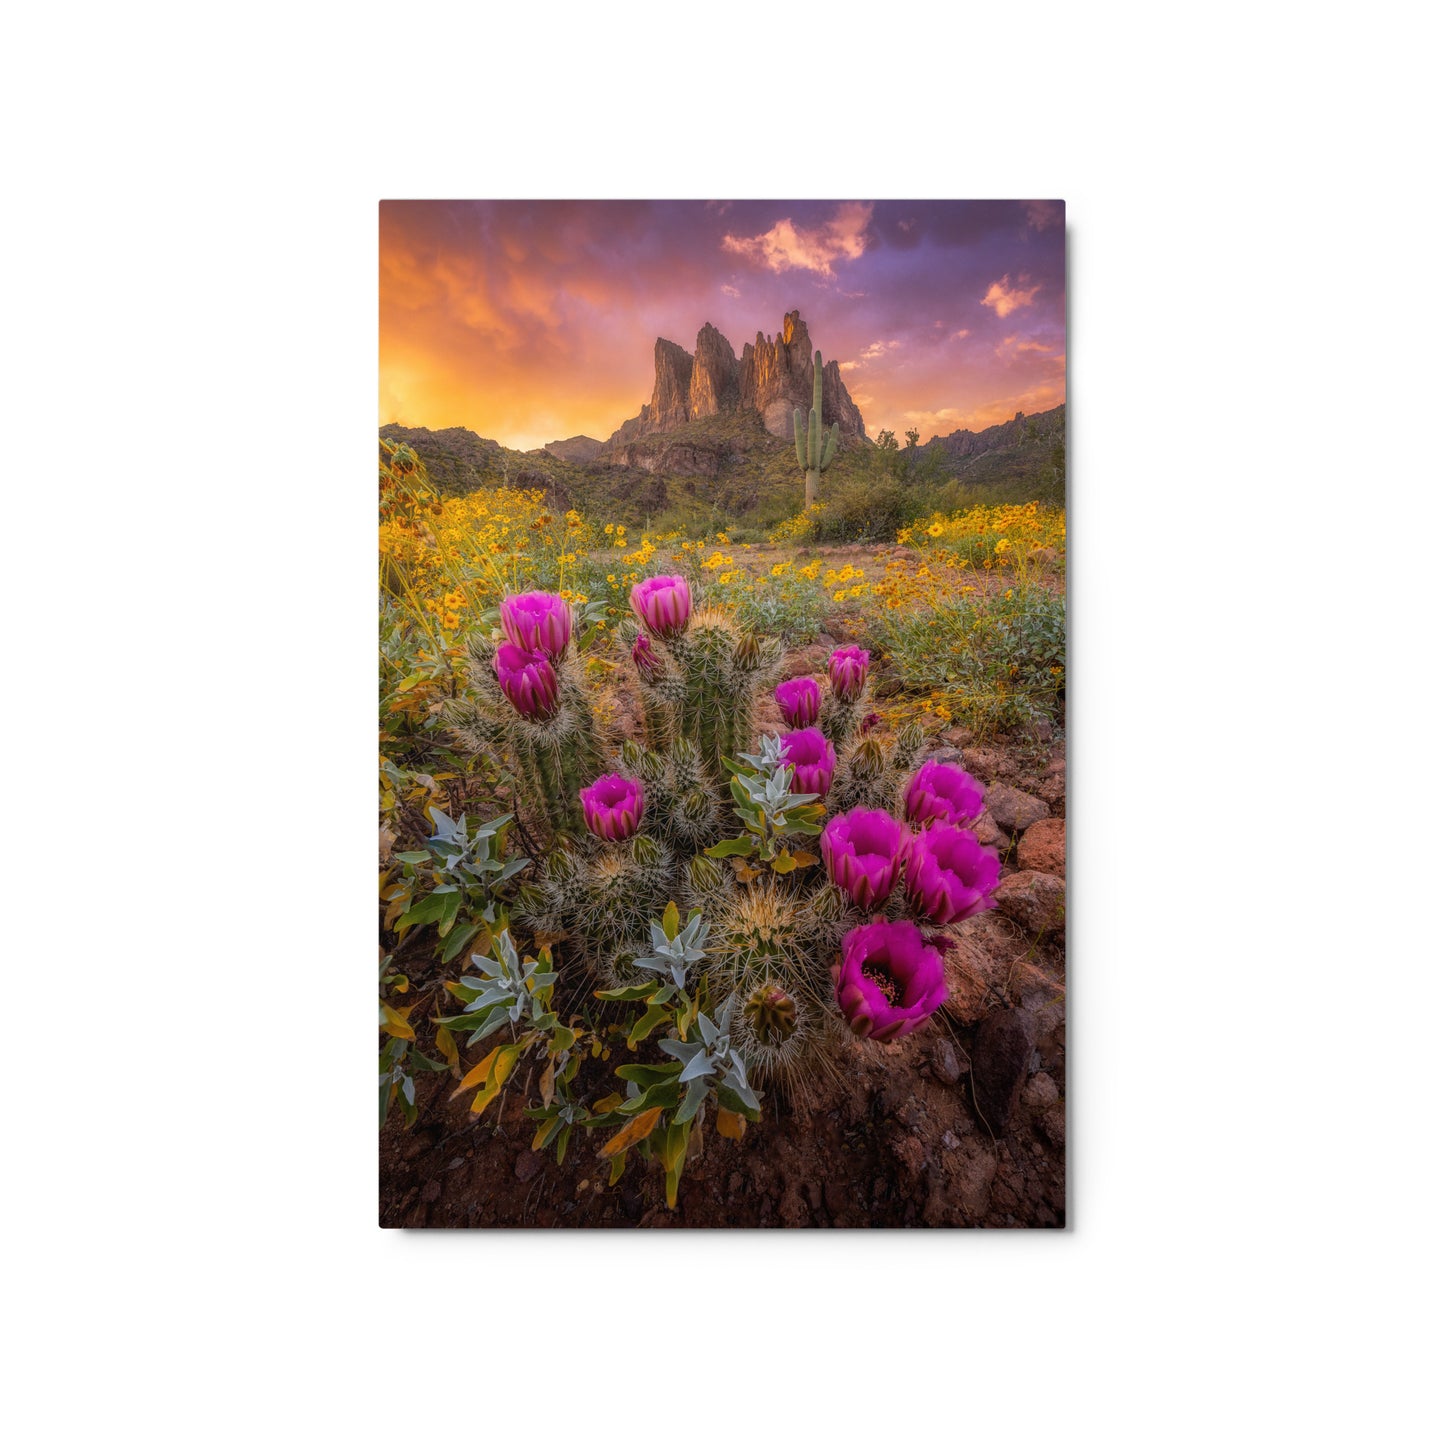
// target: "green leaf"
[[659, 1096], [670, 921], [647, 1023], [645, 1075], [732, 848], [731, 1102], [412, 857], [458, 939], [696, 1093], [628, 995], [427, 910]]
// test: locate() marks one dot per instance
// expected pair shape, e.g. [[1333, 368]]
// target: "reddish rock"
[[714, 385], [1040, 1092], [1035, 901], [1041, 849], [672, 385]]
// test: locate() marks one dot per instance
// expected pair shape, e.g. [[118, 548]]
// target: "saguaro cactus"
[[815, 450]]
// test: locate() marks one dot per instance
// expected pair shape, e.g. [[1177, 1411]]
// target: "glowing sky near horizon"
[[531, 321]]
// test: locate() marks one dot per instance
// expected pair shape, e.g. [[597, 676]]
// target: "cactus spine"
[[815, 451]]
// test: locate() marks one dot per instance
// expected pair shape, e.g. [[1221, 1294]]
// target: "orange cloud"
[[872, 353], [1005, 298], [789, 247], [1012, 346]]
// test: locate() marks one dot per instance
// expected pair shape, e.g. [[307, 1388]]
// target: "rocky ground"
[[961, 1124]]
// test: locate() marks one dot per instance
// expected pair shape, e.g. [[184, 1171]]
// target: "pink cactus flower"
[[945, 792], [646, 661], [949, 875], [863, 853], [813, 761], [663, 605], [799, 700], [848, 672], [612, 806], [527, 679], [889, 980], [538, 621]]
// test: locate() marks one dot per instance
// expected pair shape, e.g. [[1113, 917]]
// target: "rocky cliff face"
[[714, 374], [772, 377]]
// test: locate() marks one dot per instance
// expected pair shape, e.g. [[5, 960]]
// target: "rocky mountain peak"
[[772, 377]]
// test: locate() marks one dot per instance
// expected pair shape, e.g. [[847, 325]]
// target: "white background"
[[189, 245]]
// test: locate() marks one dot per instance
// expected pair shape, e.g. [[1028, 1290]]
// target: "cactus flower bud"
[[942, 791], [646, 661], [949, 875], [527, 680], [812, 759], [612, 806], [863, 853], [538, 621], [888, 980], [748, 653], [848, 672], [663, 605], [799, 700], [772, 1012]]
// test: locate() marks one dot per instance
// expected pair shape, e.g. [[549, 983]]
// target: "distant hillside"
[[1013, 454], [457, 460], [574, 449], [728, 469]]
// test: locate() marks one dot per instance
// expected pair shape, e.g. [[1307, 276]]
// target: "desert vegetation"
[[672, 821]]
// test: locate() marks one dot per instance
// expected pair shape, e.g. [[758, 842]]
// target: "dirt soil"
[[960, 1124]]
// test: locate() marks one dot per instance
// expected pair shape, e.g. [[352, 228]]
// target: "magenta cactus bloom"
[[942, 791], [612, 806], [813, 761], [538, 621], [889, 979], [663, 605], [848, 671], [647, 662], [863, 853], [799, 700], [528, 680], [949, 875]]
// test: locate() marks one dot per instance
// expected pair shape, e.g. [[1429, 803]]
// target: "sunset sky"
[[530, 321]]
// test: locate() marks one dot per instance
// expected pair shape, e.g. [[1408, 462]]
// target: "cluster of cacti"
[[529, 704], [815, 451], [703, 815]]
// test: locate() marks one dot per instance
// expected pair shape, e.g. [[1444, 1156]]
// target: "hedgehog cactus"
[[781, 848], [815, 451], [700, 684], [530, 709]]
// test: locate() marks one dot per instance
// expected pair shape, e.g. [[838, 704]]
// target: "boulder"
[[1015, 811], [1041, 849], [1000, 1056], [1035, 901]]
